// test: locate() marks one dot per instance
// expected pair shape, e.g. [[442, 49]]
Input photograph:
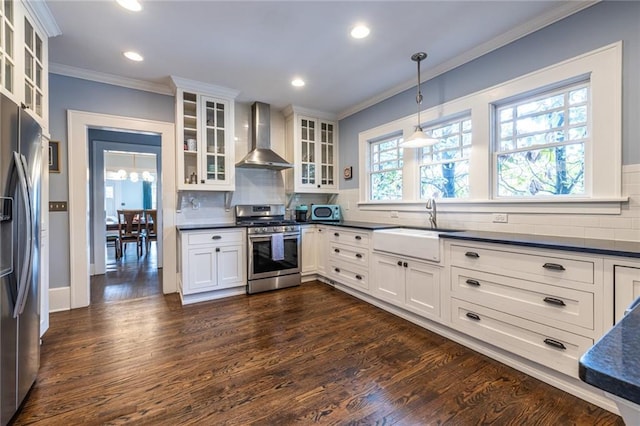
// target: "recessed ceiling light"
[[297, 82], [133, 5], [134, 56], [360, 31]]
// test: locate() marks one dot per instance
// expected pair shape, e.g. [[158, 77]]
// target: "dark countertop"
[[203, 226], [584, 245], [370, 226], [613, 363]]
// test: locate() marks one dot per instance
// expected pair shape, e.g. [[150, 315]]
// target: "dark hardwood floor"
[[309, 354]]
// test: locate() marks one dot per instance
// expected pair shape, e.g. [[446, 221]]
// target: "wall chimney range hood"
[[261, 156]]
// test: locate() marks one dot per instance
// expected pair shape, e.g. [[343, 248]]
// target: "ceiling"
[[258, 47]]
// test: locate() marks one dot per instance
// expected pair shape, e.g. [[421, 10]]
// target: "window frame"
[[400, 159], [604, 68]]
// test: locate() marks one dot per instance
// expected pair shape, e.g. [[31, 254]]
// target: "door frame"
[[78, 125]]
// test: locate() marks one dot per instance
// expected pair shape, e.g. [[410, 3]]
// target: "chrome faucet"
[[431, 206]]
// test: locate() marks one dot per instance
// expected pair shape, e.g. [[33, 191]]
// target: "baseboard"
[[59, 299]]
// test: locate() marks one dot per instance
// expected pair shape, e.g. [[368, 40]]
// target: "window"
[[540, 144], [386, 169], [444, 167]]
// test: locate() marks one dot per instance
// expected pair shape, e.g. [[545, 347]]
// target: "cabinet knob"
[[399, 262], [472, 254], [553, 266], [337, 270], [473, 316], [358, 255], [358, 277], [555, 344], [554, 301], [217, 249], [335, 234], [358, 237], [318, 185], [405, 264], [336, 250]]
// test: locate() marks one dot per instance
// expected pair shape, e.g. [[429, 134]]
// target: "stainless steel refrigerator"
[[20, 170]]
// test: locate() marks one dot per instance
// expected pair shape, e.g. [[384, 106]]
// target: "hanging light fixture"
[[419, 138]]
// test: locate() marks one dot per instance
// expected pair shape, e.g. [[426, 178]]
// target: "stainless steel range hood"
[[261, 156]]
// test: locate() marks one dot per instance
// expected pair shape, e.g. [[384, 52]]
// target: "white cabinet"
[[24, 57], [321, 249], [348, 257], [309, 249], [627, 288], [205, 151], [211, 260], [312, 146], [539, 304], [407, 283]]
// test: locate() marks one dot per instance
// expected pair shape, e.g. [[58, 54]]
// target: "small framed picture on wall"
[[54, 157]]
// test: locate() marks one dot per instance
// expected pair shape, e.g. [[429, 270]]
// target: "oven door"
[[261, 263]]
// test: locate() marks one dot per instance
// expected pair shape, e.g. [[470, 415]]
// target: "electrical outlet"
[[500, 218], [394, 213], [57, 206]]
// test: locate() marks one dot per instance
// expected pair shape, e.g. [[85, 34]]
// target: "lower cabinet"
[[309, 251], [211, 260], [627, 288], [407, 283]]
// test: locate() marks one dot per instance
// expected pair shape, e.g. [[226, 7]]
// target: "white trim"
[[631, 168], [502, 40], [59, 299], [200, 87], [40, 12], [78, 123], [289, 110], [101, 77]]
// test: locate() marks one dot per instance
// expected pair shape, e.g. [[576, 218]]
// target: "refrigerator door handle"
[[25, 271]]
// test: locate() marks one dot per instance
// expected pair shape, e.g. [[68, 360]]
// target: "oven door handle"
[[264, 238]]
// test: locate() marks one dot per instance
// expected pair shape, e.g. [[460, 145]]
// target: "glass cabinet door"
[[308, 145], [190, 137], [214, 142], [327, 146]]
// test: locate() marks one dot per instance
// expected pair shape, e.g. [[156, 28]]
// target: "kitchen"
[[65, 89]]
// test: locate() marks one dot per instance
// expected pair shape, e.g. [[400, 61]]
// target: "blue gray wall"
[[602, 24], [67, 93]]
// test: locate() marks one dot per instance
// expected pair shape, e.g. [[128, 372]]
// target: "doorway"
[[79, 242]]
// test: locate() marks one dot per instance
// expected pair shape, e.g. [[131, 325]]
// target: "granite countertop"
[[584, 245], [613, 363]]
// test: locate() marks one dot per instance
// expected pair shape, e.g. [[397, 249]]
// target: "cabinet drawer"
[[355, 255], [351, 237], [215, 237], [548, 269], [349, 275], [558, 307], [548, 346]]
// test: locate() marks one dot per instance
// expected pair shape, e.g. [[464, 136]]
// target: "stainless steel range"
[[273, 247]]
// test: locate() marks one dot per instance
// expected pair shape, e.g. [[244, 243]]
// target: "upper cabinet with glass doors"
[[312, 146], [23, 56], [205, 137]]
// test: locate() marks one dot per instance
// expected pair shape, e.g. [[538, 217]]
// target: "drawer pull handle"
[[554, 301], [335, 234], [358, 237], [473, 282], [473, 316], [405, 264], [399, 262], [358, 255], [216, 237], [472, 254], [217, 249], [553, 266], [337, 270], [358, 277], [336, 250], [555, 344]]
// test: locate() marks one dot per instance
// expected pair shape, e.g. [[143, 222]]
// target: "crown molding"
[[510, 36], [198, 86], [290, 109], [115, 80], [41, 13]]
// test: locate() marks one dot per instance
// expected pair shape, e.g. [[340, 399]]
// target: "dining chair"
[[129, 230], [113, 239], [150, 227]]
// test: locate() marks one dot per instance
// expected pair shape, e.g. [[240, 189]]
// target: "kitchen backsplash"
[[625, 226]]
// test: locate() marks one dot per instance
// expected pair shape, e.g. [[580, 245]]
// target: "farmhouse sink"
[[418, 243]]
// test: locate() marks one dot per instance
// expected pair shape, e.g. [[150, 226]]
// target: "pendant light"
[[419, 138]]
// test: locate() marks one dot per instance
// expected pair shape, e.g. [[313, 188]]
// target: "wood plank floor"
[[309, 354]]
